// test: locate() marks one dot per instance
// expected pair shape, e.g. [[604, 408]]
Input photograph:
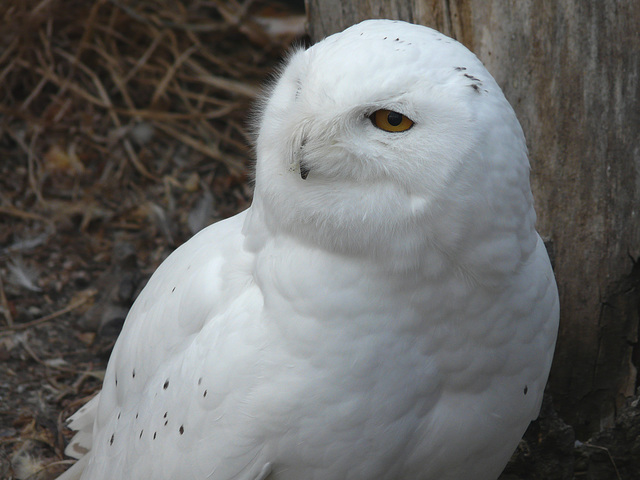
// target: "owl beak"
[[296, 161], [304, 171], [298, 167]]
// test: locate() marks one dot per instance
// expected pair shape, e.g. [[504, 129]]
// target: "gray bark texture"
[[571, 70]]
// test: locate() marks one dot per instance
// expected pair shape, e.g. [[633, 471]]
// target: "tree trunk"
[[571, 70]]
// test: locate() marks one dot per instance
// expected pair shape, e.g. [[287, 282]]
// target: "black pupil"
[[394, 118]]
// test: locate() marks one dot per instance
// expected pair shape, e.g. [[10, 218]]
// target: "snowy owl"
[[384, 309]]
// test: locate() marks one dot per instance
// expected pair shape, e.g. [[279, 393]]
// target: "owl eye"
[[390, 121]]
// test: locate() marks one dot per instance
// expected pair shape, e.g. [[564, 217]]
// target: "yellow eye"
[[390, 121]]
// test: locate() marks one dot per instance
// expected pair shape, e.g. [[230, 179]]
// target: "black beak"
[[304, 171]]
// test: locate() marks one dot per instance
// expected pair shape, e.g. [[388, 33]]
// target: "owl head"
[[391, 141]]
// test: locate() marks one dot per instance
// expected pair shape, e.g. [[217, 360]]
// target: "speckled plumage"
[[390, 316]]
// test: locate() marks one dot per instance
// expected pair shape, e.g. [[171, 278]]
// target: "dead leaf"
[[60, 161]]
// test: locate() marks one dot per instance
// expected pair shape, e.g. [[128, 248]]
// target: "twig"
[[233, 165], [208, 27], [7, 70], [35, 92], [4, 56], [30, 160], [49, 465], [142, 61], [138, 165], [209, 100], [47, 318], [40, 6], [88, 30], [171, 72], [14, 212], [608, 454], [102, 92], [5, 305], [175, 116], [8, 51], [239, 145], [232, 86], [60, 82], [221, 63]]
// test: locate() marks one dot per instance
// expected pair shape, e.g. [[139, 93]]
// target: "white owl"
[[384, 310]]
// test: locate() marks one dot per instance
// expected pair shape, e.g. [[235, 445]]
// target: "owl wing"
[[182, 358]]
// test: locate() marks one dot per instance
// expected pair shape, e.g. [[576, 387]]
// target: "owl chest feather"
[[376, 361]]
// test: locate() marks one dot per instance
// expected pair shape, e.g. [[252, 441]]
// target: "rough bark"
[[571, 70]]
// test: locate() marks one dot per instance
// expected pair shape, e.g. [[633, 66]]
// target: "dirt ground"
[[124, 129]]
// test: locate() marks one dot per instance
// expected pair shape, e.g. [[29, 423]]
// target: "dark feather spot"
[[181, 429], [141, 433], [154, 435], [136, 415], [165, 414], [475, 87], [165, 423], [173, 289], [460, 69], [119, 413], [166, 384], [526, 389], [204, 394], [133, 374], [200, 381], [111, 440]]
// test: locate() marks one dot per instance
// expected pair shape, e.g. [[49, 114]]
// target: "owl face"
[[384, 135]]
